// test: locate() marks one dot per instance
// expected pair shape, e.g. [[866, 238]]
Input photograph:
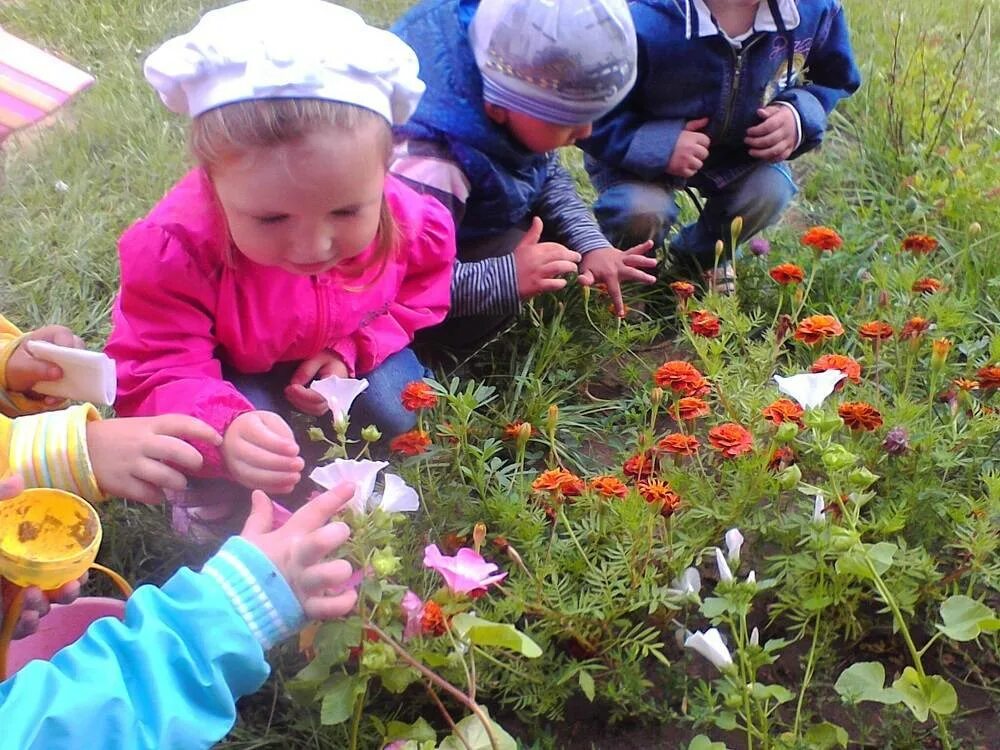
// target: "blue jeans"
[[218, 507], [632, 211]]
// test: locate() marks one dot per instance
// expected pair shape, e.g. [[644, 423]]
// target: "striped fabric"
[[33, 83]]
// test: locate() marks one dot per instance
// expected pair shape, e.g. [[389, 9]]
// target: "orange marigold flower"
[[683, 289], [783, 410], [989, 377], [681, 377], [432, 619], [926, 285], [914, 328], [704, 323], [679, 444], [965, 384], [608, 486], [822, 238], [920, 244], [731, 439], [875, 330], [787, 273], [411, 443], [639, 466], [860, 416], [818, 328], [558, 482], [850, 367], [781, 459], [418, 395], [657, 492], [512, 431], [691, 407]]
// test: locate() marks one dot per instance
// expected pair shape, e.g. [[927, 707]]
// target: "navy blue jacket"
[[684, 76]]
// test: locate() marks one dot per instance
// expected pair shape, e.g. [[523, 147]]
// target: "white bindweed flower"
[[755, 637], [361, 474], [810, 389], [734, 543], [689, 582], [819, 510], [339, 392], [710, 645], [752, 577], [725, 574], [397, 495]]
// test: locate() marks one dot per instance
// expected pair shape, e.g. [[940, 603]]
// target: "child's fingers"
[[628, 273], [174, 450], [141, 492], [312, 547], [261, 518], [306, 400], [640, 250], [263, 437], [259, 458], [11, 487], [306, 371], [187, 428], [158, 474], [320, 509], [551, 285], [557, 268], [329, 576], [330, 607], [264, 479]]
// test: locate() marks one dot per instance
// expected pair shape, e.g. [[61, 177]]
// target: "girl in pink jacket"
[[288, 254]]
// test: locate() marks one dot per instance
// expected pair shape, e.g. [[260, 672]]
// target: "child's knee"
[[632, 212]]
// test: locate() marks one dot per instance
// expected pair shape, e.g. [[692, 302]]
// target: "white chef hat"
[[279, 49]]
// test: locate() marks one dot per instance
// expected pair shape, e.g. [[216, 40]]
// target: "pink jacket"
[[183, 309]]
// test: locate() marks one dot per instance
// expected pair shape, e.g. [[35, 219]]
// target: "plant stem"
[[807, 677], [359, 707]]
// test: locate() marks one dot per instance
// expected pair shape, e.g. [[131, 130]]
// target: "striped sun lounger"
[[33, 83]]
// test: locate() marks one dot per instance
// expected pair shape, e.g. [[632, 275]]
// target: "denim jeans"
[[217, 507], [633, 211]]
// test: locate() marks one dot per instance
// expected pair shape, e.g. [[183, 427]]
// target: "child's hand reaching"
[[539, 265], [24, 371], [691, 149], [611, 266], [300, 547], [260, 452], [303, 398], [138, 458], [776, 136]]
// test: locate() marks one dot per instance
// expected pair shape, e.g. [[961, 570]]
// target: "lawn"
[[570, 455]]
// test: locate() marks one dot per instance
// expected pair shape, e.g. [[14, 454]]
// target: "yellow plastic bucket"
[[47, 538]]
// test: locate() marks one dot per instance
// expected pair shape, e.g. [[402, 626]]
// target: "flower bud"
[[786, 432], [656, 396], [897, 441], [551, 419], [720, 249], [861, 478], [371, 434], [975, 228], [524, 434], [838, 457], [939, 352], [759, 247], [790, 477], [736, 229], [340, 423], [478, 535], [315, 434]]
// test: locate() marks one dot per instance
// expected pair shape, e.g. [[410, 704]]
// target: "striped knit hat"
[[33, 83]]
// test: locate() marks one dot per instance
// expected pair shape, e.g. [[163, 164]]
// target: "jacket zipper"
[[737, 77], [320, 343]]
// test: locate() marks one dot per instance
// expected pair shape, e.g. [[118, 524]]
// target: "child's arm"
[[20, 371], [169, 676]]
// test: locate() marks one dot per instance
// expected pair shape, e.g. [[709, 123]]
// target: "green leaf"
[[339, 699], [397, 679], [965, 618], [881, 555], [418, 731], [714, 606], [701, 742], [865, 681], [471, 729], [335, 640], [587, 684], [925, 694], [826, 736], [771, 692], [725, 720], [485, 633], [853, 561]]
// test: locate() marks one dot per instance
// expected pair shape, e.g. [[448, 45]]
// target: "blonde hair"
[[234, 129]]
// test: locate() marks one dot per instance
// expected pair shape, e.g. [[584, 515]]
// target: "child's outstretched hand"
[[540, 265], [24, 370], [611, 266], [303, 398], [776, 136], [139, 457], [300, 548], [691, 149], [36, 602], [260, 452]]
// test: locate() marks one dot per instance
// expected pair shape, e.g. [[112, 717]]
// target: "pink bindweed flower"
[[464, 573], [413, 608]]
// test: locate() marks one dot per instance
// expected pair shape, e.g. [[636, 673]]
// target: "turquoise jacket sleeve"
[[166, 677]]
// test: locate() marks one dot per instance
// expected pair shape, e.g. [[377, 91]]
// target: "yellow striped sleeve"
[[50, 450], [14, 404]]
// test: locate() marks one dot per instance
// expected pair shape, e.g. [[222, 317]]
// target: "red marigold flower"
[[558, 482], [432, 619], [512, 431], [965, 384], [418, 395], [875, 330], [818, 328], [608, 486], [926, 285], [657, 492], [783, 410], [731, 439], [822, 238], [683, 289], [850, 367], [989, 377], [679, 444], [787, 273], [860, 416], [639, 466], [411, 443], [681, 377], [920, 244], [704, 323], [914, 328], [691, 407], [781, 459]]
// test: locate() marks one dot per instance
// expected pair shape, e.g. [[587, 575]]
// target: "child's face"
[[304, 206], [534, 134]]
